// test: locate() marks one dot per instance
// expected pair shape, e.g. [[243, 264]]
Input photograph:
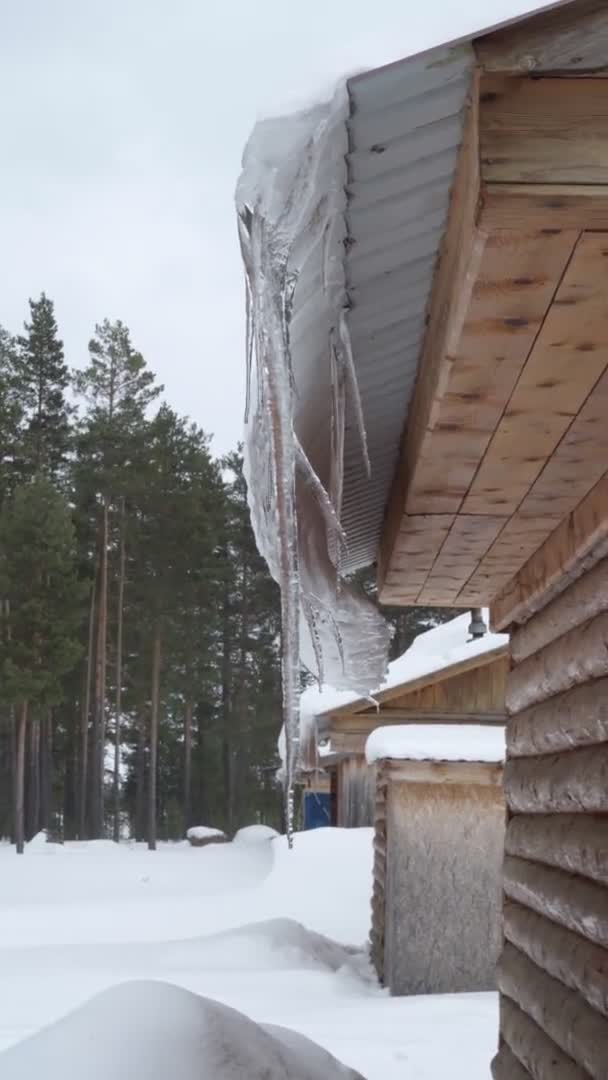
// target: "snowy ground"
[[248, 924]]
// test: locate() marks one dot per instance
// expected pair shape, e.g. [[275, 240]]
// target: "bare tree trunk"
[[187, 799], [97, 815], [46, 771], [32, 800], [153, 765], [84, 724], [238, 787], [140, 774], [227, 744], [119, 626], [20, 779]]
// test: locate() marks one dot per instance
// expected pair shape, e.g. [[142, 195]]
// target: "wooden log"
[[585, 599], [543, 206], [576, 843], [573, 549], [579, 717], [533, 1048], [478, 773], [580, 1031], [575, 658], [569, 38], [525, 123], [572, 901], [505, 1066], [573, 782], [578, 964]]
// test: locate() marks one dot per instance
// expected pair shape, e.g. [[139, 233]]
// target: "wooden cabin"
[[444, 678], [460, 199], [438, 851]]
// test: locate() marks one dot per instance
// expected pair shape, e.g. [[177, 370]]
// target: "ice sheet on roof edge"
[[291, 202]]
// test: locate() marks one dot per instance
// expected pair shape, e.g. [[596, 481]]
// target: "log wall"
[[553, 972]]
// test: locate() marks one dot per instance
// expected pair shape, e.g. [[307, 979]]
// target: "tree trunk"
[[32, 809], [238, 783], [46, 771], [20, 779], [227, 749], [140, 774], [84, 725], [97, 815], [153, 764], [119, 626], [187, 798]]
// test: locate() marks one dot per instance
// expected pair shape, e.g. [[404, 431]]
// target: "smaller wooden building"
[[445, 677], [438, 849]]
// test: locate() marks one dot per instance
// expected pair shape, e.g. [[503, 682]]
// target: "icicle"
[[311, 619], [248, 347], [327, 509], [353, 386]]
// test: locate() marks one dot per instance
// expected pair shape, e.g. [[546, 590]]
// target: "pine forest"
[[139, 628]]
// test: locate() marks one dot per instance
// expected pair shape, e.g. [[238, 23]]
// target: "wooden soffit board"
[[508, 429]]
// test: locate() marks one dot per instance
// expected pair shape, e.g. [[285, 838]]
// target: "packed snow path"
[[274, 934]]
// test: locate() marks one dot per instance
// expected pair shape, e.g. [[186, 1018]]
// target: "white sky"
[[122, 124]]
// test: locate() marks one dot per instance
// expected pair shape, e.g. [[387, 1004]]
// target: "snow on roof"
[[437, 742], [435, 649], [431, 651]]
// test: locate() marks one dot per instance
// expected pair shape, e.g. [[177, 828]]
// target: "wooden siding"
[[436, 894], [356, 792], [553, 973]]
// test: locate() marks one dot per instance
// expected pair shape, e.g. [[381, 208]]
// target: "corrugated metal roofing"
[[404, 131]]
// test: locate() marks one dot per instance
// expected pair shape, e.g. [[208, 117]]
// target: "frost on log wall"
[[553, 972], [437, 873]]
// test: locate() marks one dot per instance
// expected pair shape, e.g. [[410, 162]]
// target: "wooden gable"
[[508, 430], [470, 692]]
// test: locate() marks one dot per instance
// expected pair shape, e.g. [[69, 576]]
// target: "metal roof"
[[404, 131]]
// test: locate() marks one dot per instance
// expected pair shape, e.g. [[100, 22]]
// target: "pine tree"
[[43, 379], [118, 388], [39, 642], [11, 413]]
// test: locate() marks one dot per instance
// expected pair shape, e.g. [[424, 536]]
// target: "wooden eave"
[[507, 433]]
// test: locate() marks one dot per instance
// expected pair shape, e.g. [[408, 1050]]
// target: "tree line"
[[139, 627]]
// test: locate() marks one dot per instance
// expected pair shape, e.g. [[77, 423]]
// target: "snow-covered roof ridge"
[[437, 742]]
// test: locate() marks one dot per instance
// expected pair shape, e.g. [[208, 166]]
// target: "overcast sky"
[[122, 124]]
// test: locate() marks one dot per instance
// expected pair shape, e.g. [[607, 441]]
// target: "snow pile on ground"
[[203, 832], [153, 1030], [437, 742], [278, 935]]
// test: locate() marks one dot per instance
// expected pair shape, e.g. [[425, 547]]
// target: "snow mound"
[[152, 1030], [437, 742], [255, 834], [203, 832], [269, 945]]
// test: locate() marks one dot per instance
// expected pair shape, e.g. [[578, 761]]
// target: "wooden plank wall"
[[379, 878], [356, 792], [553, 973]]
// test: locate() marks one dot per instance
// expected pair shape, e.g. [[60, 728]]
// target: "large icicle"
[[301, 388]]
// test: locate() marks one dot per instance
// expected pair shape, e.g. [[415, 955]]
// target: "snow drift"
[[152, 1030]]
